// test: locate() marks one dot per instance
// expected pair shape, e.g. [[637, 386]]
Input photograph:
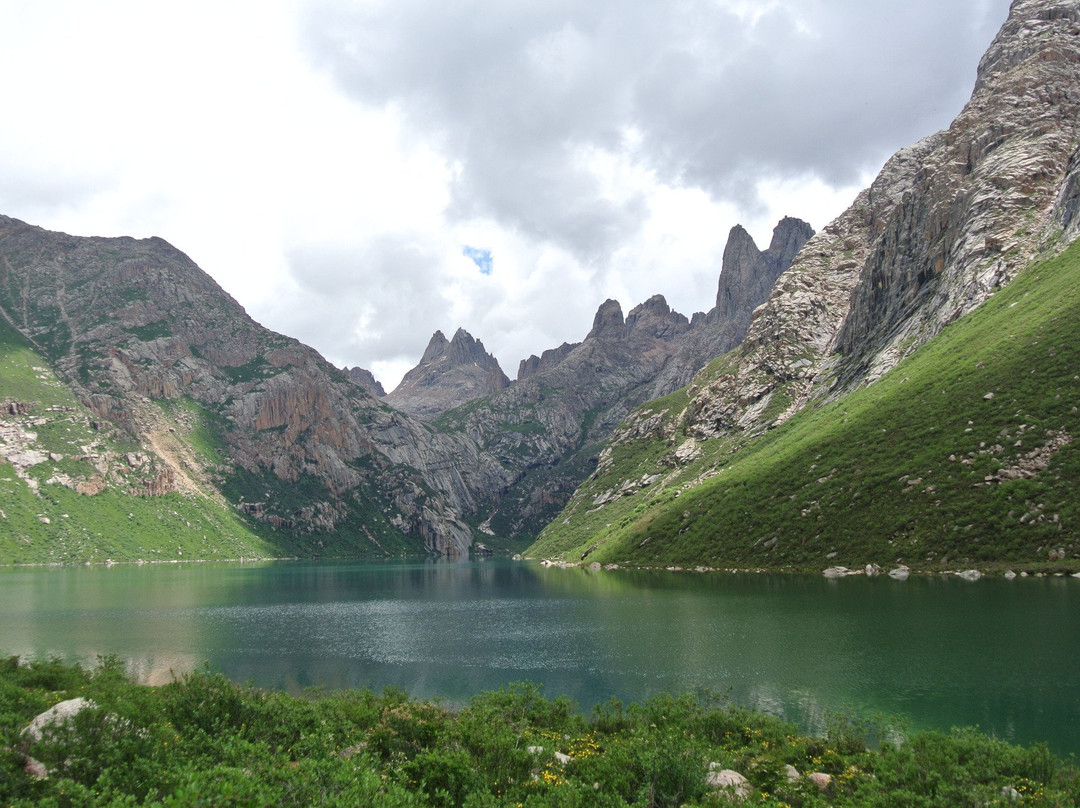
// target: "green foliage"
[[203, 740], [919, 468], [150, 331]]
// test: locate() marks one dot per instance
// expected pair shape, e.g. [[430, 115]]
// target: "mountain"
[[178, 408], [896, 388], [547, 429], [366, 380], [144, 340], [449, 374], [948, 225]]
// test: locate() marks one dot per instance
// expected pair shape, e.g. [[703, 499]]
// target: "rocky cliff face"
[[450, 373], [127, 322], [366, 380], [945, 223]]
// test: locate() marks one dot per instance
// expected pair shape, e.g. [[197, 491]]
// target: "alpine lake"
[[931, 651]]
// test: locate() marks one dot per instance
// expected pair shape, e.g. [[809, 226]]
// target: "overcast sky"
[[359, 174]]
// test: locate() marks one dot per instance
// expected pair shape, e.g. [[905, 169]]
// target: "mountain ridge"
[[947, 223], [309, 456]]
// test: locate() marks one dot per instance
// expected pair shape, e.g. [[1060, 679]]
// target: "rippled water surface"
[[1003, 655]]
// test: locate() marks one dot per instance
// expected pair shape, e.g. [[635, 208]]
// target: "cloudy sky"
[[359, 173]]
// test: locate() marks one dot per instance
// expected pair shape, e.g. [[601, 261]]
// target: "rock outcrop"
[[945, 223], [366, 380], [450, 373]]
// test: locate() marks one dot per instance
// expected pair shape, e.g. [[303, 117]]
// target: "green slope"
[[923, 467], [43, 519]]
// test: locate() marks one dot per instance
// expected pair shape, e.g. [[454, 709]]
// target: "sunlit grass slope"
[[44, 520], [963, 455]]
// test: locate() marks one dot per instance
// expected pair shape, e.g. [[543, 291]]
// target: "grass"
[[203, 740], [908, 470]]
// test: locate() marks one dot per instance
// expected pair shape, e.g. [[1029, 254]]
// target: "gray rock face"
[[125, 322], [449, 374], [366, 380], [946, 222]]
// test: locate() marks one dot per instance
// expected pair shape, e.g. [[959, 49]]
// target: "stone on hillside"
[[61, 713], [791, 773], [35, 768], [820, 779], [688, 451], [729, 780]]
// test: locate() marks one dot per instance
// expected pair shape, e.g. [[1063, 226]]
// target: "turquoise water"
[[938, 652]]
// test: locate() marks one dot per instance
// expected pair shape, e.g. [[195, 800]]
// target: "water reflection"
[[793, 646]]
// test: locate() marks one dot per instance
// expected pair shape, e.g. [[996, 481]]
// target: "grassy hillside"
[[44, 518], [963, 455]]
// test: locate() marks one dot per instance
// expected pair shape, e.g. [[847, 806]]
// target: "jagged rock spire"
[[450, 373]]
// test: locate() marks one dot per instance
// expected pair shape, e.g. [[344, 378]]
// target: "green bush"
[[203, 740]]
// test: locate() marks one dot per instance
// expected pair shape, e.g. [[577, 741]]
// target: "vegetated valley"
[[819, 413], [898, 389]]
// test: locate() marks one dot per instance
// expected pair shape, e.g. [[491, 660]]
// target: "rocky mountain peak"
[[450, 373], [464, 349], [788, 237], [366, 380], [436, 348], [546, 361], [748, 274], [655, 318], [608, 322]]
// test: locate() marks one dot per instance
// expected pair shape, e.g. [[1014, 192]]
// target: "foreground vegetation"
[[963, 455], [203, 740]]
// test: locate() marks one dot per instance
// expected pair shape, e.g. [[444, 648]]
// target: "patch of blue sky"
[[482, 258]]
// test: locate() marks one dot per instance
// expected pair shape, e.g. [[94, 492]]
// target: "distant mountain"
[[292, 455], [449, 374], [548, 428], [366, 380], [945, 227]]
